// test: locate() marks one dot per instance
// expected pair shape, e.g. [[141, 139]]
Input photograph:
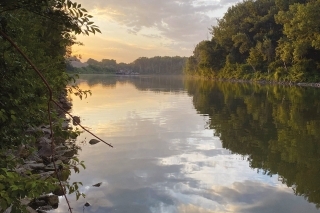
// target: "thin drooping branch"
[[58, 105], [6, 37], [49, 109]]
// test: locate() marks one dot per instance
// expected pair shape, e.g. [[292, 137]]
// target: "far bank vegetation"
[[156, 65], [272, 40]]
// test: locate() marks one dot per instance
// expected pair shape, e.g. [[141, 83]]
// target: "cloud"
[[186, 20], [151, 35]]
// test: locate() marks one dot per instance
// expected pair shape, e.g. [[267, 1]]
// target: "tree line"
[[143, 65], [273, 40]]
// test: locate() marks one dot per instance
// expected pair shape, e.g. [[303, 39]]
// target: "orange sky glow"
[[148, 28]]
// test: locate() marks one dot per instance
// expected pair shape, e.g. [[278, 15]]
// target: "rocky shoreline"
[[40, 161]]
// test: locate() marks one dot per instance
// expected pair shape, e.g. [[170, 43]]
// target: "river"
[[195, 146]]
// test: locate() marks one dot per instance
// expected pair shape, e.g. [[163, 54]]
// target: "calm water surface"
[[186, 146]]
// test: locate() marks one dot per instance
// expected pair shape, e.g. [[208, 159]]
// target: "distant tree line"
[[142, 65], [276, 40]]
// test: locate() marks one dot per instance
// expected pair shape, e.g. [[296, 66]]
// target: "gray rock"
[[69, 153], [44, 209], [93, 141], [44, 141], [21, 170], [34, 166], [25, 201], [46, 151], [40, 202], [53, 200], [46, 131], [29, 162], [58, 162], [45, 175], [66, 125]]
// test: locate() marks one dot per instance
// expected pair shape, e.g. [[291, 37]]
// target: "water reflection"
[[276, 127], [170, 154]]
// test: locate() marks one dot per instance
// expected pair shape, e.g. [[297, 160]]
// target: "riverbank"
[[253, 81], [48, 159]]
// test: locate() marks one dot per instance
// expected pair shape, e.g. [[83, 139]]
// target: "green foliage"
[[142, 65], [14, 187], [44, 30], [158, 65], [260, 34]]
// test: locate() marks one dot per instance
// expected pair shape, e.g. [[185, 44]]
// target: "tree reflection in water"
[[277, 127]]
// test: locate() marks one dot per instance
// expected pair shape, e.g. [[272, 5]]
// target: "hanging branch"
[[6, 37]]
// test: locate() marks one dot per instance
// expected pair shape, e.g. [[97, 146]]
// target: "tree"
[[43, 30]]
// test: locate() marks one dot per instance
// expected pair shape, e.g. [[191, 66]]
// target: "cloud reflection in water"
[[165, 160]]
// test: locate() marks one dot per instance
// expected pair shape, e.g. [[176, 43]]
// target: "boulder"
[[53, 200]]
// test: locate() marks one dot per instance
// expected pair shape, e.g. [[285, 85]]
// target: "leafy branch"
[[50, 100]]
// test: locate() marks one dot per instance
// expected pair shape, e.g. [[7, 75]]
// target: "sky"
[[148, 28]]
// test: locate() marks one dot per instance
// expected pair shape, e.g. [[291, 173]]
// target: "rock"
[[58, 162], [45, 175], [44, 209], [21, 170], [46, 202], [66, 105], [59, 148], [8, 210], [40, 203], [29, 162], [46, 131], [49, 168], [44, 141], [69, 153], [93, 141], [64, 159], [33, 130], [34, 157], [25, 201], [66, 125], [34, 166], [87, 204], [76, 120], [97, 184], [31, 210], [59, 140], [46, 151], [53, 200]]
